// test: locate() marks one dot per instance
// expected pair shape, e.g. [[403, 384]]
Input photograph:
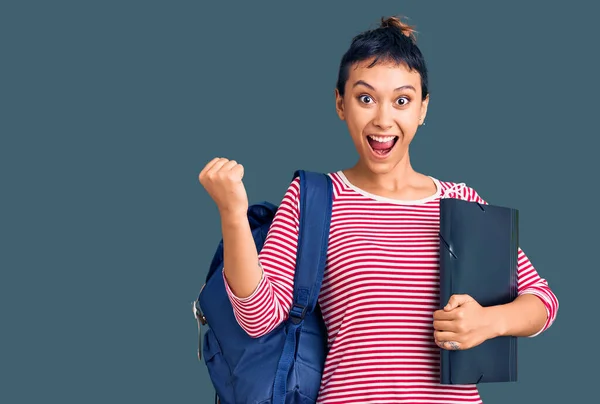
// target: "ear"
[[339, 105], [423, 112]]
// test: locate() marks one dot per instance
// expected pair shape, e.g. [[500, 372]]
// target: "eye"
[[365, 99], [403, 101]]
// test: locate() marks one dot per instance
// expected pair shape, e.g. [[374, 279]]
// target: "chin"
[[381, 167]]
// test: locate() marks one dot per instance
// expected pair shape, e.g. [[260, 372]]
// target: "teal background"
[[110, 109]]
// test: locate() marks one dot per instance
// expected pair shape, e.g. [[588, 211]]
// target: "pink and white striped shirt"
[[379, 292]]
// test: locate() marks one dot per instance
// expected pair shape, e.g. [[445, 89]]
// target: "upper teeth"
[[382, 139]]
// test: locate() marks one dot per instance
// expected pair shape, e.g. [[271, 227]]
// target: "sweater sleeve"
[[529, 280], [270, 303]]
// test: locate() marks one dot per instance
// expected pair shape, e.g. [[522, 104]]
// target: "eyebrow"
[[405, 87]]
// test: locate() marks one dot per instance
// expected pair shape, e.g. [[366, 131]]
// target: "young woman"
[[379, 296]]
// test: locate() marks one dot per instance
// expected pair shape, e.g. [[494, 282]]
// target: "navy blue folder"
[[478, 256]]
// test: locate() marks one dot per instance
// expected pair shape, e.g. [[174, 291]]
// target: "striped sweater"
[[379, 292]]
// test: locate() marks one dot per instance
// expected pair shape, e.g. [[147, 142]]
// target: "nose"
[[383, 117]]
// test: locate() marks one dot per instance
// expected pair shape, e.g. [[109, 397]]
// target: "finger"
[[228, 165], [446, 336], [232, 170], [457, 300], [209, 165], [216, 167], [238, 171], [442, 344], [445, 325], [442, 315], [451, 345], [209, 168]]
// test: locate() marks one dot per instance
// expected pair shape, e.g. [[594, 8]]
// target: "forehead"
[[384, 75]]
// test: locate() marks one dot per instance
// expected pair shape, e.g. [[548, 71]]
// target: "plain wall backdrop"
[[110, 109]]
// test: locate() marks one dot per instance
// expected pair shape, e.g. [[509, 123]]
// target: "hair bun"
[[396, 23]]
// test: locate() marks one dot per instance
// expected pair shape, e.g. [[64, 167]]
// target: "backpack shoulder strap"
[[313, 239]]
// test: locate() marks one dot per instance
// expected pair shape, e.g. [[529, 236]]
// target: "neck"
[[390, 179]]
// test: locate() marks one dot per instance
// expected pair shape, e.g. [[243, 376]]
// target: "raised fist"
[[222, 179]]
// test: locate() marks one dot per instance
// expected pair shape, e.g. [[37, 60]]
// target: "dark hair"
[[392, 41]]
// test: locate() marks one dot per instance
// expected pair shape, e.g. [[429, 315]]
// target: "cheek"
[[358, 118], [410, 120], [409, 127]]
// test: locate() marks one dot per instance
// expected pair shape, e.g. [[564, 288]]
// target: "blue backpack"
[[284, 366]]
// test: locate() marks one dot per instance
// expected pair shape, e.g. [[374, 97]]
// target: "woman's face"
[[382, 107]]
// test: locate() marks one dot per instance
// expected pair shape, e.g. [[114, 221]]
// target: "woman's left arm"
[[533, 311], [536, 306], [464, 323]]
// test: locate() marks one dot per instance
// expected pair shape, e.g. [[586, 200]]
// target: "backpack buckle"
[[297, 313], [198, 313], [200, 319]]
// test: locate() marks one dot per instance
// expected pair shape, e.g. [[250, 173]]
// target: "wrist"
[[231, 217], [497, 322]]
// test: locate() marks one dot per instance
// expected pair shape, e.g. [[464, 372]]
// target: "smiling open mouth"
[[382, 145]]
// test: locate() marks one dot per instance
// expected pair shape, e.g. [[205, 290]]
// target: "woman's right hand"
[[222, 179]]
